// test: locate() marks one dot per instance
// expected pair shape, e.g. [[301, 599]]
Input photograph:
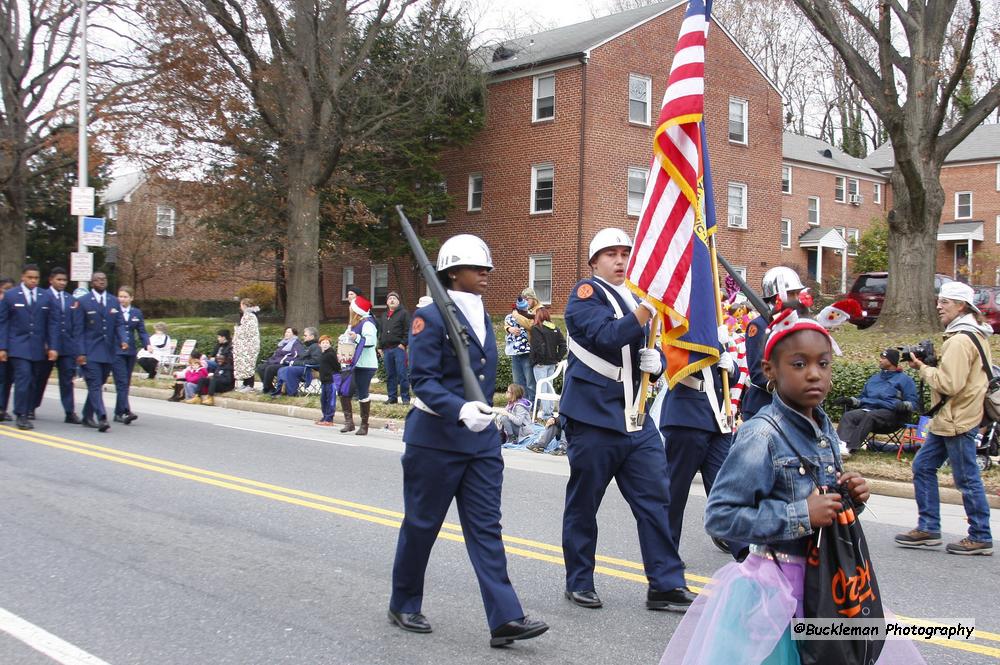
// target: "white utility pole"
[[82, 156]]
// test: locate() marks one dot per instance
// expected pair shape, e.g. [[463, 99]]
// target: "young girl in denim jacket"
[[764, 496]]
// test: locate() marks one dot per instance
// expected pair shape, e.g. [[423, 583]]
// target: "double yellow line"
[[514, 545]]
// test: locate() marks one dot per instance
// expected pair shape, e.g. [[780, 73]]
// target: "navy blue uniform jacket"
[[756, 396], [68, 324], [103, 328], [136, 325], [436, 378], [590, 397], [27, 331], [687, 407]]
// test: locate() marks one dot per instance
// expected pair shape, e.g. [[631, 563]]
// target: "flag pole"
[[654, 332], [718, 317]]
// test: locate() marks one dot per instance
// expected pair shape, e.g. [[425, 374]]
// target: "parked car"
[[869, 292], [988, 301]]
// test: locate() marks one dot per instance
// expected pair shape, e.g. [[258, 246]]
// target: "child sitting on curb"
[[514, 421]]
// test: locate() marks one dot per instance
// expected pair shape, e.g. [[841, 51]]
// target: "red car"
[[988, 302], [869, 292]]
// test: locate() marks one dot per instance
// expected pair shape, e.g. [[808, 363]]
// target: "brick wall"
[[981, 180]]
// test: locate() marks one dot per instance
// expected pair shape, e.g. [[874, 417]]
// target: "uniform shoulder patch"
[[74, 305], [584, 291], [752, 330], [417, 326]]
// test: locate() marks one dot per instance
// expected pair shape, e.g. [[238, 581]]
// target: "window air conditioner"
[[855, 199]]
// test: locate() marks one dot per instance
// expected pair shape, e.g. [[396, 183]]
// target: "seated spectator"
[[886, 403], [329, 367], [160, 343], [553, 432], [290, 376], [514, 421], [222, 379], [288, 350], [190, 378]]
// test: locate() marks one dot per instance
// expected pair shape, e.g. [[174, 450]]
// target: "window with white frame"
[[877, 193], [438, 213], [998, 229], [542, 182], [813, 210], [111, 211], [852, 188], [741, 272], [636, 190], [786, 179], [380, 284], [737, 120], [786, 233], [346, 280], [165, 220], [544, 98], [853, 236], [963, 205], [737, 205], [475, 192], [639, 91], [540, 277], [998, 176], [839, 189]]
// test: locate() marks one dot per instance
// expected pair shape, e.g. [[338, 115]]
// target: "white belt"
[[693, 383], [593, 361], [419, 404]]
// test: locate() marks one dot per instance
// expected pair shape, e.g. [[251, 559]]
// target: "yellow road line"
[[380, 515]]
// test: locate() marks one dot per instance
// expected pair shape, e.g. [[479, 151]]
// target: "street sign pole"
[[82, 156]]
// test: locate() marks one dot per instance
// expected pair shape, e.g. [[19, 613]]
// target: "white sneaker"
[[844, 452], [245, 389]]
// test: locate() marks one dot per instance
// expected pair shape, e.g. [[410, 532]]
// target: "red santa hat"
[[840, 313], [788, 322], [361, 306]]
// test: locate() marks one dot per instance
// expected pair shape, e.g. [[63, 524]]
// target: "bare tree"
[[909, 85]]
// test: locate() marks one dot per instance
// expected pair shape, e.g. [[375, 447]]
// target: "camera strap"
[[982, 356]]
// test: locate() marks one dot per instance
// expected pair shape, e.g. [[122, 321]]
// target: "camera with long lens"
[[924, 352]]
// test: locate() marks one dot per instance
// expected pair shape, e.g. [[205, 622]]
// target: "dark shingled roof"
[[813, 151], [982, 144]]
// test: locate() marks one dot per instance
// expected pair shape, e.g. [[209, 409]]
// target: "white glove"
[[724, 335], [648, 305], [727, 363], [649, 361], [477, 416]]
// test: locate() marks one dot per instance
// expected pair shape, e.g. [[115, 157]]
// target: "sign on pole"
[[93, 232], [81, 266], [81, 202]]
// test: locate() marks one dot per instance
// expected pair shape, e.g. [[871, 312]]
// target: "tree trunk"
[[913, 245], [302, 251], [13, 230]]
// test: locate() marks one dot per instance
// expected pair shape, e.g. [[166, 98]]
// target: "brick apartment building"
[[156, 246], [568, 140], [969, 234], [829, 199]]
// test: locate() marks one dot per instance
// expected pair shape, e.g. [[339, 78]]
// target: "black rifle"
[[758, 303], [458, 333]]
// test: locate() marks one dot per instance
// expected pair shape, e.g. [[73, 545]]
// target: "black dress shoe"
[[130, 417], [31, 414], [588, 599], [675, 600], [24, 423], [73, 419], [415, 622], [89, 422], [521, 629], [4, 416], [102, 425]]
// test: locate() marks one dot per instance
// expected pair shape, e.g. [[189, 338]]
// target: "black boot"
[[178, 393], [345, 405], [365, 409]]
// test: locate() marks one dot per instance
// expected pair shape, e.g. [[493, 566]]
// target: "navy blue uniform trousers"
[[96, 375], [66, 368], [6, 381], [122, 369], [690, 450], [431, 479], [22, 371], [638, 464]]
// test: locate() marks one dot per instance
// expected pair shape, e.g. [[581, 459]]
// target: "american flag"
[[671, 263]]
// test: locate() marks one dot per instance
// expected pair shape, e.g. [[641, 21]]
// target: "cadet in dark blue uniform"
[[124, 363], [102, 336], [696, 436], [453, 452], [66, 310], [28, 334], [6, 381], [607, 330], [779, 282]]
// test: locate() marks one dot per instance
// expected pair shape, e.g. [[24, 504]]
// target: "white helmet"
[[778, 281], [609, 237], [464, 250]]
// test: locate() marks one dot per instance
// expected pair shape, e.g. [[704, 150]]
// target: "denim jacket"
[[760, 493]]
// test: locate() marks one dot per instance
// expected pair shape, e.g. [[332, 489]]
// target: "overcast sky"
[[493, 18]]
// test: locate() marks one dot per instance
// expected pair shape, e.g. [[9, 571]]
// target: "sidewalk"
[[878, 486]]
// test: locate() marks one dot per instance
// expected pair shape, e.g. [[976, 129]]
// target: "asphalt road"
[[207, 536]]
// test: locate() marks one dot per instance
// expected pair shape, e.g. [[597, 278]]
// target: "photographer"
[[958, 385], [885, 404]]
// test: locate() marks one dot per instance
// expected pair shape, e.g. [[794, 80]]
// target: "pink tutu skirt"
[[743, 617]]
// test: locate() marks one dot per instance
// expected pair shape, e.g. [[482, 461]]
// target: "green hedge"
[[849, 379]]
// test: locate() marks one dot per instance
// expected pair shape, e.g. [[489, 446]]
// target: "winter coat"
[[310, 355], [548, 346], [328, 365], [394, 328], [959, 376], [246, 346]]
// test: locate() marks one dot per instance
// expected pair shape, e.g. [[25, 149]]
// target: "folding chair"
[[545, 390], [169, 362], [914, 434]]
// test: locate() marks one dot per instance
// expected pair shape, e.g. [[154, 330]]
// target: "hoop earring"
[[769, 387]]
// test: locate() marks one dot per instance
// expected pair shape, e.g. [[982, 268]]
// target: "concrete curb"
[[878, 486]]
